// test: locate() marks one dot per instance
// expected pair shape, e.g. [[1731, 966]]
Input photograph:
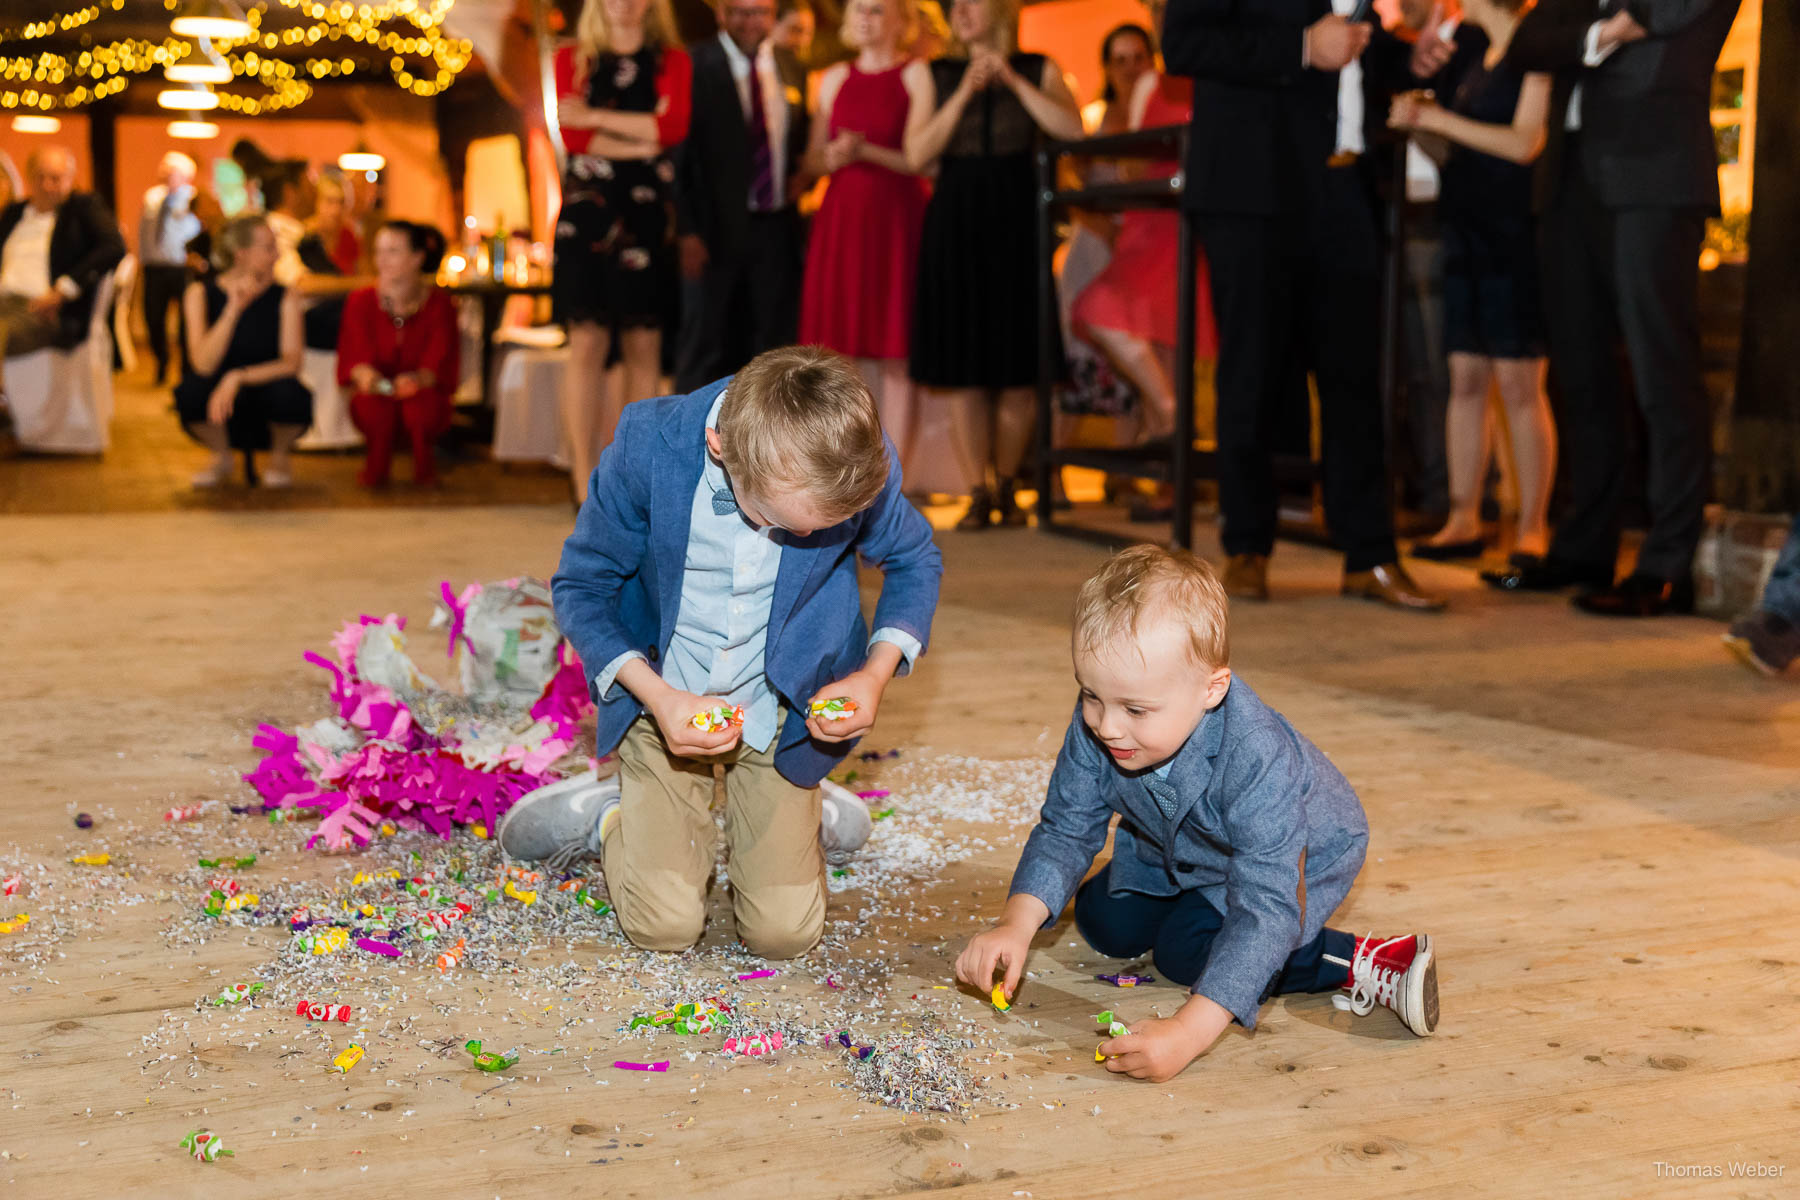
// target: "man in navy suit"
[[737, 177], [714, 567]]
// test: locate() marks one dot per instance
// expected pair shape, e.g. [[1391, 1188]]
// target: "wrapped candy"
[[764, 974], [218, 903], [1126, 980], [593, 901], [834, 709], [637, 1066], [16, 924], [722, 716], [328, 940], [998, 997], [84, 821], [205, 1145], [10, 885], [238, 992], [313, 1010], [1113, 1026], [91, 860], [352, 1054], [521, 897], [755, 1045], [183, 812], [856, 1048], [489, 1061], [223, 883], [453, 956], [686, 1019], [238, 863]]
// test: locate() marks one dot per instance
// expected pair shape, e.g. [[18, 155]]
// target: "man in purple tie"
[[736, 179]]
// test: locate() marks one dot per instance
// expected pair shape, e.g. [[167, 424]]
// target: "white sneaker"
[[844, 822], [559, 823]]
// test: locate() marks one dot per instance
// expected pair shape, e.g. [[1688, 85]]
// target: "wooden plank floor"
[[1597, 823]]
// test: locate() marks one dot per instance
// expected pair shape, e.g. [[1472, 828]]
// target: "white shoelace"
[[1371, 983]]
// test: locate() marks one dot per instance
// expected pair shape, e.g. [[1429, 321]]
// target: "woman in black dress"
[[1493, 316], [975, 328], [239, 388], [623, 95]]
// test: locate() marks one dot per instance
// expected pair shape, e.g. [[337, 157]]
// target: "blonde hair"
[[1149, 578], [234, 237], [1004, 14], [908, 12], [593, 36], [802, 416]]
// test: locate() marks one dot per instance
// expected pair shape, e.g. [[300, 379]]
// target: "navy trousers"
[[1178, 931]]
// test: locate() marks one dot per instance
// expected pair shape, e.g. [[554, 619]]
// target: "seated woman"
[[239, 387], [398, 351]]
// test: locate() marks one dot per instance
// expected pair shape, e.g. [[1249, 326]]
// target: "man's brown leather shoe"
[[1390, 584], [1247, 577]]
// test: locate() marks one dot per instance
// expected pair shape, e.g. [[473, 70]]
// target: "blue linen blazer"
[[618, 587], [1253, 795]]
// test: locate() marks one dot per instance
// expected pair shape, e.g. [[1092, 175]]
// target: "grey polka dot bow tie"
[[723, 502]]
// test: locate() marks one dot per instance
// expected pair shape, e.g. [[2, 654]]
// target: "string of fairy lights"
[[419, 55]]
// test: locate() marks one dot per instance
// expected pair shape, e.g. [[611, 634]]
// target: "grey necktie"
[[1163, 792]]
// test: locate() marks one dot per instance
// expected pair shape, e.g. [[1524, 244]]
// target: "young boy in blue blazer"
[[1220, 801], [714, 564]]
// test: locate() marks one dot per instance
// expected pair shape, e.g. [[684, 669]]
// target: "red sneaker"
[[1398, 972]]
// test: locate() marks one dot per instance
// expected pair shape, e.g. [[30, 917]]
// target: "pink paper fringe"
[[401, 773]]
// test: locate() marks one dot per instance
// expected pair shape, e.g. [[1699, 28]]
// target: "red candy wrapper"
[[312, 1010], [185, 812]]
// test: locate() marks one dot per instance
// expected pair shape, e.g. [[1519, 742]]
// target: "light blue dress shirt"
[[722, 626]]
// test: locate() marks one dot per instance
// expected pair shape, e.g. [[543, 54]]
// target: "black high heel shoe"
[[1446, 551]]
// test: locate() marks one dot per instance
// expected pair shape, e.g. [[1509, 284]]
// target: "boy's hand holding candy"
[[860, 694], [1160, 1048], [1005, 945], [675, 711]]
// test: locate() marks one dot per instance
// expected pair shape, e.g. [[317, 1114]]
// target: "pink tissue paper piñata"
[[401, 749]]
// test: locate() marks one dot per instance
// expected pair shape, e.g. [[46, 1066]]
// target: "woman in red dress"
[[397, 350], [623, 97], [1129, 308], [857, 297]]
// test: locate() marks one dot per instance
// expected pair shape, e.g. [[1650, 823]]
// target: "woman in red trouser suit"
[[398, 350]]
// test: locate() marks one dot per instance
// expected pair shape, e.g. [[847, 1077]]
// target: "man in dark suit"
[[1626, 182], [736, 179], [1286, 218], [56, 245]]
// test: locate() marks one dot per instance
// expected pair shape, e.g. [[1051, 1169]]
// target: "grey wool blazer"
[[1253, 796]]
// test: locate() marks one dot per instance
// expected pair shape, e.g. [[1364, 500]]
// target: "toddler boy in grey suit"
[[1220, 803]]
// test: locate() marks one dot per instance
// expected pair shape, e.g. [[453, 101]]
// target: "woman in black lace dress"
[[975, 329], [622, 104]]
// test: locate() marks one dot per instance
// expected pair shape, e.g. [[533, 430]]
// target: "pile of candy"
[[834, 709], [722, 716], [402, 752]]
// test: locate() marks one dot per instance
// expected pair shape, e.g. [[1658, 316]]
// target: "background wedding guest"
[[1493, 321], [166, 225], [239, 388], [56, 246], [863, 255], [1629, 176], [975, 331], [737, 177], [623, 95], [398, 351]]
